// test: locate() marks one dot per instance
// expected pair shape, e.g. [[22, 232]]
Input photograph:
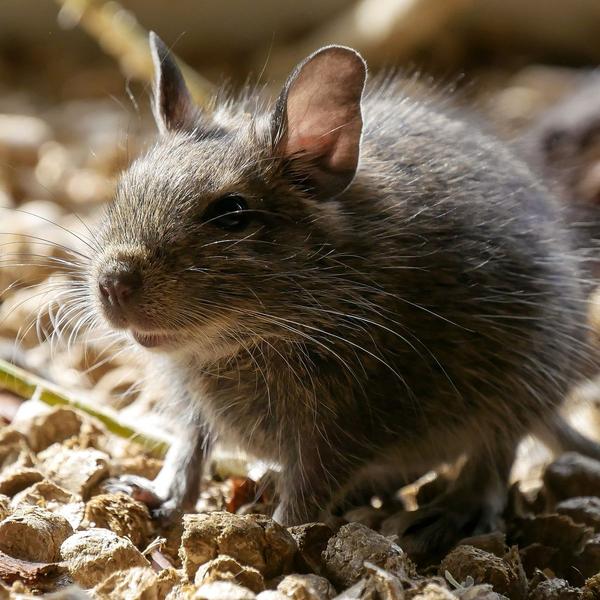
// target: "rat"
[[346, 282], [563, 146]]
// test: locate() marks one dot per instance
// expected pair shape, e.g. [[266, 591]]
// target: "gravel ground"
[[61, 533]]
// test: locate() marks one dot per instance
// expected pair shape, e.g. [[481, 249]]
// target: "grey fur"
[[433, 309]]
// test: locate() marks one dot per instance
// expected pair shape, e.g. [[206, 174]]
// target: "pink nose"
[[118, 287]]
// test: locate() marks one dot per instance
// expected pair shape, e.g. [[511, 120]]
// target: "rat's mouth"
[[153, 340]]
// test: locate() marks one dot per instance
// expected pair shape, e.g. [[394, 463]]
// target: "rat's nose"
[[118, 287]]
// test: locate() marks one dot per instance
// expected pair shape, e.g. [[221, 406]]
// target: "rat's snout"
[[118, 287]]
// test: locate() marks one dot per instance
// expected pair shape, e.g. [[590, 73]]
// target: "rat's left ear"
[[173, 106], [317, 123]]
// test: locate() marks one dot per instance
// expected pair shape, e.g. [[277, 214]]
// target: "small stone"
[[94, 554], [222, 590], [52, 497], [535, 557], [121, 514], [311, 540], [555, 589], [279, 546], [591, 589], [15, 479], [138, 583], [42, 493], [54, 426], [5, 508], [354, 544], [433, 591], [34, 534], [306, 587], [76, 470], [225, 568], [582, 509], [505, 575], [12, 444], [141, 465], [555, 531], [253, 540], [573, 475]]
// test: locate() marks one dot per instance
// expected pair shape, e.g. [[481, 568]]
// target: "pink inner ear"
[[323, 109]]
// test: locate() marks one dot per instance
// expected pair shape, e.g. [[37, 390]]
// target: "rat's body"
[[426, 306]]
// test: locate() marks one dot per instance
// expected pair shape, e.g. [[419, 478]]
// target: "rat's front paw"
[[162, 507]]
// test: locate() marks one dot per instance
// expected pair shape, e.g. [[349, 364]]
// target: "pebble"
[[225, 568], [354, 544], [505, 575], [34, 534], [94, 554], [306, 587], [253, 540], [76, 470]]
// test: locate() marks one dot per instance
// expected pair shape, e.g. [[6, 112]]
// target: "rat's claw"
[[139, 488], [166, 513]]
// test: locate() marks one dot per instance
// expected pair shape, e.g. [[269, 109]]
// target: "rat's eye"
[[229, 212]]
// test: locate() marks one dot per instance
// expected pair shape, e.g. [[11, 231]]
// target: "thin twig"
[[27, 385]]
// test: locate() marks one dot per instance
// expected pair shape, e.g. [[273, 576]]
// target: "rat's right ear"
[[173, 107], [317, 124]]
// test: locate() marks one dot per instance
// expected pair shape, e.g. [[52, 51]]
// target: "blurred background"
[[74, 96]]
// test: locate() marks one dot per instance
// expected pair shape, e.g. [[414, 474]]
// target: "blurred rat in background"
[[349, 282], [563, 146]]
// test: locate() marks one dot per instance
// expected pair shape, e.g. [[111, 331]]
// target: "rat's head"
[[214, 232]]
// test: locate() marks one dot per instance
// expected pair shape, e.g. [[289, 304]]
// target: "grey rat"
[[348, 283], [563, 146]]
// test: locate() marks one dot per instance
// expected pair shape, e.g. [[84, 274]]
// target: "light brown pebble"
[[306, 587], [143, 466], [94, 554], [15, 479], [279, 545], [121, 514], [225, 568], [433, 591], [591, 589], [271, 595], [5, 507], [217, 590], [34, 534], [138, 583], [505, 575], [354, 544], [54, 426], [12, 444], [52, 497], [76, 470], [252, 540]]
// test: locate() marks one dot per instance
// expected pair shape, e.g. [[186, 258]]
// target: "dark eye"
[[229, 212]]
